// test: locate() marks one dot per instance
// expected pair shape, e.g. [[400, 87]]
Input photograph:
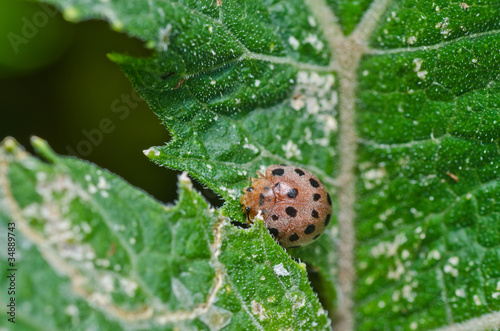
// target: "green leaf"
[[393, 104], [94, 252]]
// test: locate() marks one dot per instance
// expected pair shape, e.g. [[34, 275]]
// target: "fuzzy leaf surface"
[[393, 104], [94, 252]]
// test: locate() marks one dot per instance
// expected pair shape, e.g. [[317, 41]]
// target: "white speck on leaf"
[[291, 150], [293, 42], [280, 270]]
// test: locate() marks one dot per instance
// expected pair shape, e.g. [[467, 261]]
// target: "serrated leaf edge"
[[78, 280]]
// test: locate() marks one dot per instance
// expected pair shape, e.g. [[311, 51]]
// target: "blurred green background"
[[57, 83]]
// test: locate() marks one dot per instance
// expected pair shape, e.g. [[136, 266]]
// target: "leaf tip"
[[152, 153], [71, 14], [10, 145], [185, 181], [117, 25], [43, 148]]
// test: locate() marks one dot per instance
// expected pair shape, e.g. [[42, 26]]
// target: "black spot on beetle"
[[274, 232], [266, 188], [317, 236], [261, 203], [278, 172], [316, 196], [294, 246], [313, 182], [327, 220], [292, 193], [315, 213], [294, 237], [310, 229], [277, 185], [292, 212], [250, 189], [299, 172], [261, 196], [329, 199], [275, 217]]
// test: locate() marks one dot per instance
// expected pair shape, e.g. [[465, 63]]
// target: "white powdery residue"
[[233, 193], [496, 295], [128, 286], [257, 83], [445, 30], [298, 103], [107, 283], [184, 178], [164, 37], [258, 310], [85, 227], [460, 293], [293, 42], [413, 325], [259, 216], [251, 147], [88, 178], [280, 270], [323, 142], [161, 12], [434, 255], [396, 273], [212, 82], [373, 177], [408, 294], [102, 263], [448, 269], [313, 40], [72, 310], [477, 300], [92, 189], [312, 106], [395, 296], [150, 150], [291, 150], [311, 20], [383, 217], [418, 65], [388, 248], [412, 40], [302, 77], [211, 29], [100, 299], [454, 260], [132, 241], [102, 184], [330, 123]]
